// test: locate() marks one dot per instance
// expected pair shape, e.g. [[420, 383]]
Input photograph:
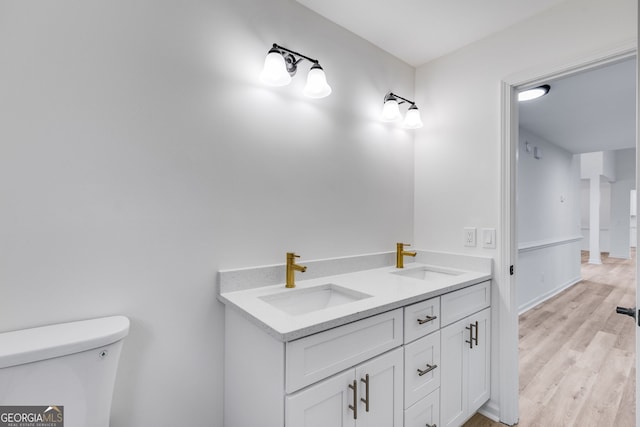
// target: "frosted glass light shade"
[[275, 71], [390, 110], [412, 120], [317, 86]]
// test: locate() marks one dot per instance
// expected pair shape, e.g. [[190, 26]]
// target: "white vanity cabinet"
[[408, 367]]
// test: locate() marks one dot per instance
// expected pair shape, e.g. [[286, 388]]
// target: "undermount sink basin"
[[428, 273], [305, 300]]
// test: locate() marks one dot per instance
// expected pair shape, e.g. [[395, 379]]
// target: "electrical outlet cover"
[[470, 236]]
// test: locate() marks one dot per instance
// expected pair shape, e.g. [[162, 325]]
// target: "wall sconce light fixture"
[[281, 64], [391, 111]]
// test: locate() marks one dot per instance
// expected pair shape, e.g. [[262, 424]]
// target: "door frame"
[[508, 313]]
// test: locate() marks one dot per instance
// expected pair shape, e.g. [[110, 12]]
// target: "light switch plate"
[[489, 238], [470, 236]]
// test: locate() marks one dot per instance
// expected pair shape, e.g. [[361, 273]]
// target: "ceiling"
[[594, 110], [418, 31], [585, 112]]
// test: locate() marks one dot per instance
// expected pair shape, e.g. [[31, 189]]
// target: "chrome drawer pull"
[[476, 338], [426, 371], [354, 407], [471, 338], [426, 319], [431, 425], [365, 380]]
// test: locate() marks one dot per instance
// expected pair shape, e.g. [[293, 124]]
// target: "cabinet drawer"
[[315, 357], [421, 319], [421, 368], [459, 304], [424, 413]]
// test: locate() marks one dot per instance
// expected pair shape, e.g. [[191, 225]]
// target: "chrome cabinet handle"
[[426, 371], [426, 319], [365, 380], [431, 425], [471, 334], [354, 407], [476, 338]]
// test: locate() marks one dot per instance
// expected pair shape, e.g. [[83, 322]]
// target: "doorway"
[[508, 333], [575, 173]]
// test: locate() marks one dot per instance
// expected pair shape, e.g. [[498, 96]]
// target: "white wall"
[[593, 164], [548, 205], [140, 155], [615, 206], [458, 158], [548, 220]]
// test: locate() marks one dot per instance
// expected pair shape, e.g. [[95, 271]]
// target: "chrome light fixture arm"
[[292, 58], [393, 95]]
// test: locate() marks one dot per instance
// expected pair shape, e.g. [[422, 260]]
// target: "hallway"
[[577, 356]]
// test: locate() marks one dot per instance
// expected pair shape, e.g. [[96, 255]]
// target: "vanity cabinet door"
[[325, 404], [465, 362], [480, 362], [384, 375], [453, 398]]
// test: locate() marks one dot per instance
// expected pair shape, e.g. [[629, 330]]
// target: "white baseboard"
[[491, 411], [542, 298], [619, 256]]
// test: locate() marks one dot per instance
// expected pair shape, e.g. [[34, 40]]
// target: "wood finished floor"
[[577, 356]]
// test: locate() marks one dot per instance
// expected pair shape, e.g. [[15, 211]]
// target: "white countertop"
[[388, 291]]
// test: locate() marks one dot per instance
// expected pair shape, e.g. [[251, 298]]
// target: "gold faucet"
[[401, 253], [291, 269]]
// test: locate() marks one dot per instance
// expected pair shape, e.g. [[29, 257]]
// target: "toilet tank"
[[70, 366]]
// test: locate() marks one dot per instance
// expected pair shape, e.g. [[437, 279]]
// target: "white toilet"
[[69, 366]]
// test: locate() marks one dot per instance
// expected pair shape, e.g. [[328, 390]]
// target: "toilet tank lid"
[[46, 342]]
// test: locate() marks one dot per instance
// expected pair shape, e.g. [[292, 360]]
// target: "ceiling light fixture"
[[391, 111], [534, 93], [281, 64]]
